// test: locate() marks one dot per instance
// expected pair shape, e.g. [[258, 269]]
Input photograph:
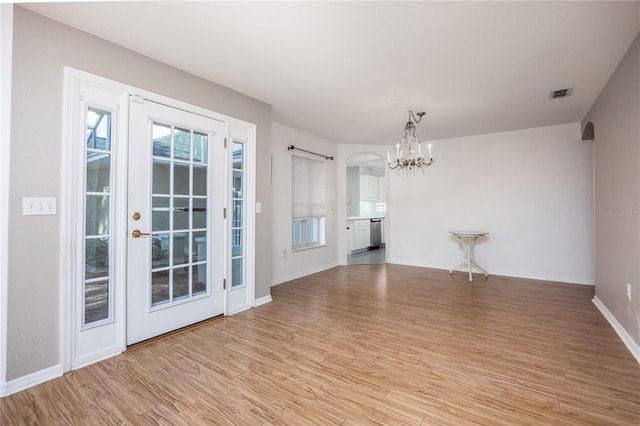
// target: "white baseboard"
[[553, 278], [94, 357], [33, 379], [304, 273], [626, 338], [262, 300]]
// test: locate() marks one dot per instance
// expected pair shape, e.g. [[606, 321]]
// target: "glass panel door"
[[176, 246]]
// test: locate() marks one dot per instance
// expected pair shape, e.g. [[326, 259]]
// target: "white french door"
[[145, 242], [176, 227]]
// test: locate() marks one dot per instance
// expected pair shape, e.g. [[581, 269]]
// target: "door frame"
[[71, 205], [344, 152]]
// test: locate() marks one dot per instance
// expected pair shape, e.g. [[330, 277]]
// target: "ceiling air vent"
[[560, 93]]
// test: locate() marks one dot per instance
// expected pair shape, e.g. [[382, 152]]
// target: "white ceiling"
[[349, 71]]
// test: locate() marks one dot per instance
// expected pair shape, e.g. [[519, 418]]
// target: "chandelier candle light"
[[409, 149]]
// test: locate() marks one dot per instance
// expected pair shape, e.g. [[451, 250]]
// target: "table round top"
[[469, 233]]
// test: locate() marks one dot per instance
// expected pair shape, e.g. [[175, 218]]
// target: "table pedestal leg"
[[469, 261]]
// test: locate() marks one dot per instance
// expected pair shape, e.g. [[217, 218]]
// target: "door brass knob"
[[136, 233]]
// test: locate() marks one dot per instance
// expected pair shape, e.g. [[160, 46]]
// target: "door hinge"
[[224, 213], [225, 142], [224, 284]]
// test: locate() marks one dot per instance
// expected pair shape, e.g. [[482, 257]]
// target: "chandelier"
[[409, 155]]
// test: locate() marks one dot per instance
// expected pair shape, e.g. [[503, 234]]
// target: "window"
[[307, 200], [237, 222], [179, 214], [98, 280]]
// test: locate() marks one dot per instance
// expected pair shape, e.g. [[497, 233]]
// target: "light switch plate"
[[258, 207], [38, 206]]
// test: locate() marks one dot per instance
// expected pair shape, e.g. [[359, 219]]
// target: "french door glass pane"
[[159, 287], [236, 272], [200, 143], [180, 248], [161, 140], [180, 198], [199, 244], [237, 218], [199, 278], [199, 212], [98, 172], [237, 184], [237, 213], [180, 283], [160, 251], [97, 217], [182, 144], [238, 154], [96, 305], [181, 179], [160, 221], [98, 130], [161, 177], [161, 202], [199, 180], [236, 247], [96, 258], [181, 218]]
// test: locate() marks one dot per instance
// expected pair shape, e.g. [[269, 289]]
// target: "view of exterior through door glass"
[[179, 214], [237, 227], [98, 284]]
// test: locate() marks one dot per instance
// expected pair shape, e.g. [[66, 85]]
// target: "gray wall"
[[42, 48], [616, 118]]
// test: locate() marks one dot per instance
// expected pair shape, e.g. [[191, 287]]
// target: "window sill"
[[293, 250]]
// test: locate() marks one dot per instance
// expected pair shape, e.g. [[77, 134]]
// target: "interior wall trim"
[[303, 273], [6, 43], [566, 279], [626, 338], [262, 301], [33, 379]]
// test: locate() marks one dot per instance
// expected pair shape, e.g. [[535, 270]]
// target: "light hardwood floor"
[[366, 344]]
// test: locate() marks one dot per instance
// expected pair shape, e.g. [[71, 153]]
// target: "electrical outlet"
[[628, 291]]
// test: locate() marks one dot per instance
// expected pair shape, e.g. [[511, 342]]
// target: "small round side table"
[[468, 239]]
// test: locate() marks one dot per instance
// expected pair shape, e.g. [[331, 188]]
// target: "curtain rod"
[[289, 148]]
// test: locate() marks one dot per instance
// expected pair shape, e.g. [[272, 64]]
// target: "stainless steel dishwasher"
[[376, 233]]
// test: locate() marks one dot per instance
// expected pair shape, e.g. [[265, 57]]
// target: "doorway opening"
[[366, 208]]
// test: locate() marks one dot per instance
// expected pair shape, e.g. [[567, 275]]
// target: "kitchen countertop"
[[364, 217]]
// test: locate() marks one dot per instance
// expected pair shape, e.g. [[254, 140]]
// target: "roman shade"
[[307, 192]]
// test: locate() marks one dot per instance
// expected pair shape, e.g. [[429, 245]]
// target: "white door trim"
[[72, 210], [69, 202], [6, 43]]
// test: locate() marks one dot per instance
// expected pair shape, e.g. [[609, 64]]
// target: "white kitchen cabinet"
[[361, 234], [368, 188], [349, 236]]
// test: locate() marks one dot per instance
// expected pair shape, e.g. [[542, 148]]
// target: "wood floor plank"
[[362, 345]]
